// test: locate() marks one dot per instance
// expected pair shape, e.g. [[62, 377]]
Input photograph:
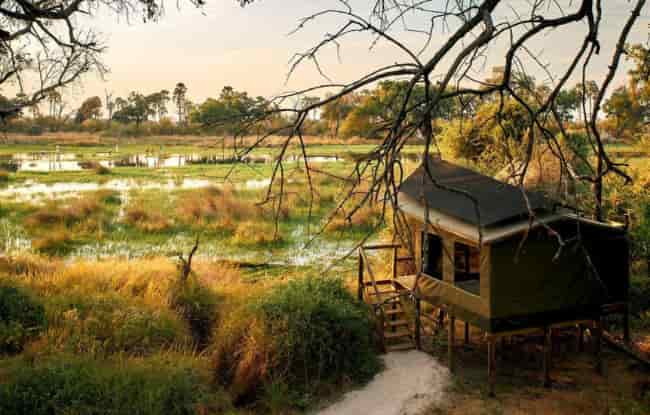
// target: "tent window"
[[467, 265], [432, 255]]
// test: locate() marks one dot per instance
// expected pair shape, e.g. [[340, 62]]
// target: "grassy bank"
[[131, 337]]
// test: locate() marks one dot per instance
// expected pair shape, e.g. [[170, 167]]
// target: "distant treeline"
[[469, 125]]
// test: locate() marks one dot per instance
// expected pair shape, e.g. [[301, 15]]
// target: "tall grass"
[[57, 227], [301, 337], [272, 344], [73, 385], [21, 318]]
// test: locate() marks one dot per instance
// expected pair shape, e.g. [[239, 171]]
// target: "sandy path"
[[410, 382]]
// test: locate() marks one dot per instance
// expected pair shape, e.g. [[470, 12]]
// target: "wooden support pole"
[[492, 366], [581, 337], [360, 287], [597, 335], [546, 361], [441, 317], [418, 324], [450, 341], [626, 324], [395, 263], [466, 333]]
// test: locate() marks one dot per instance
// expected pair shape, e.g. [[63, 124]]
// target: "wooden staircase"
[[387, 297]]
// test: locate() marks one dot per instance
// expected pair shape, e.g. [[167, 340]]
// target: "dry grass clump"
[[215, 208], [255, 233], [147, 220], [97, 167], [29, 265], [292, 341], [111, 306], [55, 242], [365, 218], [74, 212]]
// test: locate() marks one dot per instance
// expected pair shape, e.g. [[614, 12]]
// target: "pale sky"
[[249, 48]]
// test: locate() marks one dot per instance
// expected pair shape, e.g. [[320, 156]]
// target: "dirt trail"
[[410, 382]]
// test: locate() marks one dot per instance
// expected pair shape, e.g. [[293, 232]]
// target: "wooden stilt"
[[418, 325], [546, 362], [492, 363], [597, 332], [360, 277], [626, 324], [441, 318], [450, 341], [466, 333], [581, 338]]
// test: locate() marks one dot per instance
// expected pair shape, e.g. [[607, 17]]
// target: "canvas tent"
[[481, 256]]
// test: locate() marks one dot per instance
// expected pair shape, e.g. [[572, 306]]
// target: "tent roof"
[[497, 201]]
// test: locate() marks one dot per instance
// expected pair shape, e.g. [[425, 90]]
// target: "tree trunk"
[[598, 189]]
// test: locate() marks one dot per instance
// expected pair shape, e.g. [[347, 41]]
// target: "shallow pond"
[[32, 191], [56, 161]]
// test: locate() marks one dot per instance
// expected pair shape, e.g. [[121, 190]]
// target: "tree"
[[90, 109], [158, 102], [55, 102], [110, 104], [567, 103], [179, 100], [136, 108], [623, 113], [45, 46], [628, 108], [225, 113], [335, 111], [472, 29]]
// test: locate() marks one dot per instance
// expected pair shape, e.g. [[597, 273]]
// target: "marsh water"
[[57, 161]]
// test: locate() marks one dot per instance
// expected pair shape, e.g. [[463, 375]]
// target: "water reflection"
[[56, 161]]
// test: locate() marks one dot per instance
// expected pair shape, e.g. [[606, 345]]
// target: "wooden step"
[[379, 282], [382, 292], [387, 301], [393, 311], [399, 346], [397, 334], [397, 323]]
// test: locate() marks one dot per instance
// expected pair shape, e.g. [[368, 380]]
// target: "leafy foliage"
[[79, 386], [305, 335], [21, 317]]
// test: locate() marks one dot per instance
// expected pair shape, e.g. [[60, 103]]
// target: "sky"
[[250, 48]]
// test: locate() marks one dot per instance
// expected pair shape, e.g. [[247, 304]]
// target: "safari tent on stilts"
[[506, 262]]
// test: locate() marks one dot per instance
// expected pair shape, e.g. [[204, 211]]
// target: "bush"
[[58, 242], [639, 295], [80, 386], [21, 317], [303, 336], [104, 325], [197, 305]]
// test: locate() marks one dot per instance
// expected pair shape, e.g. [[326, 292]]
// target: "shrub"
[[104, 325], [197, 305], [4, 177], [79, 386], [307, 334], [639, 295], [96, 166], [147, 220], [57, 242], [21, 317], [255, 233]]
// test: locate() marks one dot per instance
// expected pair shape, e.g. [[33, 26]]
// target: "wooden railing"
[[365, 267]]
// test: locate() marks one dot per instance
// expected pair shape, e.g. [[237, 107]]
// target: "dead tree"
[[468, 31], [185, 265], [45, 46]]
